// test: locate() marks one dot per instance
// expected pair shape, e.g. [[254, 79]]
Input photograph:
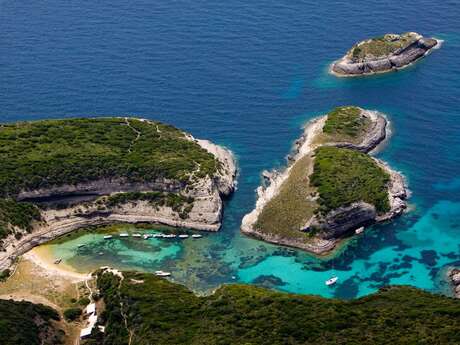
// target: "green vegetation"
[[381, 46], [4, 275], [346, 124], [344, 176], [179, 203], [84, 301], [56, 152], [72, 314], [51, 153], [160, 312], [25, 323], [338, 176], [289, 210], [16, 214]]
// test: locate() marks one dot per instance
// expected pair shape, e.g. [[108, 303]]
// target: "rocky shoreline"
[[355, 215], [205, 215], [454, 277], [399, 59]]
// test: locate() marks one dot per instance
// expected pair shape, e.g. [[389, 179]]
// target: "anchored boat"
[[162, 274], [332, 281]]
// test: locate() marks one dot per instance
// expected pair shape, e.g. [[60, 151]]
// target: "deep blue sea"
[[248, 75]]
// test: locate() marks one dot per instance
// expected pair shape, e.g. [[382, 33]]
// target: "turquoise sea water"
[[247, 75]]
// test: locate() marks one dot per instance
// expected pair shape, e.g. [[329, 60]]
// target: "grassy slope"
[[160, 312], [344, 176], [25, 323], [380, 46], [55, 152], [288, 211], [345, 124]]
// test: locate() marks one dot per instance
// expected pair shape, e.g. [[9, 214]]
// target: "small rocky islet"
[[60, 175], [383, 54], [332, 187]]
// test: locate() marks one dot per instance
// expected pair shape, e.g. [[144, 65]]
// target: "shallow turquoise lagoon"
[[248, 75]]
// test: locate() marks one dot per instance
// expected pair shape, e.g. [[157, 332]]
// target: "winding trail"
[[138, 133]]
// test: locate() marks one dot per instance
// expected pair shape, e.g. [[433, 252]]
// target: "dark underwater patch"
[[269, 281]]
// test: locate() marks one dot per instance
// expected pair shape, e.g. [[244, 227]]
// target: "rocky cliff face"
[[400, 58], [374, 136], [454, 276], [205, 214], [341, 221]]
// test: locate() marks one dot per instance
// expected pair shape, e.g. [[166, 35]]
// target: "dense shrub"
[[72, 314], [161, 312], [25, 323], [344, 176]]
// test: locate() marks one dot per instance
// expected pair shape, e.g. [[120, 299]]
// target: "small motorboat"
[[197, 236], [162, 274], [146, 236], [81, 245], [183, 236], [137, 235], [359, 230], [331, 281], [124, 235], [57, 262], [108, 237]]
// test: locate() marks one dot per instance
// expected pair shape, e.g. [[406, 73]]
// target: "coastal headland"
[[61, 175], [383, 54], [331, 187]]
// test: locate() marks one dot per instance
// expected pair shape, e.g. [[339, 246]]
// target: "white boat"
[[332, 281], [197, 236], [183, 236], [124, 235], [157, 235], [137, 235], [359, 230], [170, 236], [108, 237], [146, 236], [162, 274]]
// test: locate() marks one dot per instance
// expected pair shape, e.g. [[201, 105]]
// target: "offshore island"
[[383, 54], [332, 187], [57, 176]]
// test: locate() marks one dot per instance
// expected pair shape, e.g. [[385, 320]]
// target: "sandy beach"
[[42, 257]]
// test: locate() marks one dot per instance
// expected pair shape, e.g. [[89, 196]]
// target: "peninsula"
[[331, 188], [156, 311], [383, 54], [60, 175]]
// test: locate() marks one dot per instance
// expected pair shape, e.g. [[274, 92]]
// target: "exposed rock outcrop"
[[419, 46], [454, 276], [376, 133]]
